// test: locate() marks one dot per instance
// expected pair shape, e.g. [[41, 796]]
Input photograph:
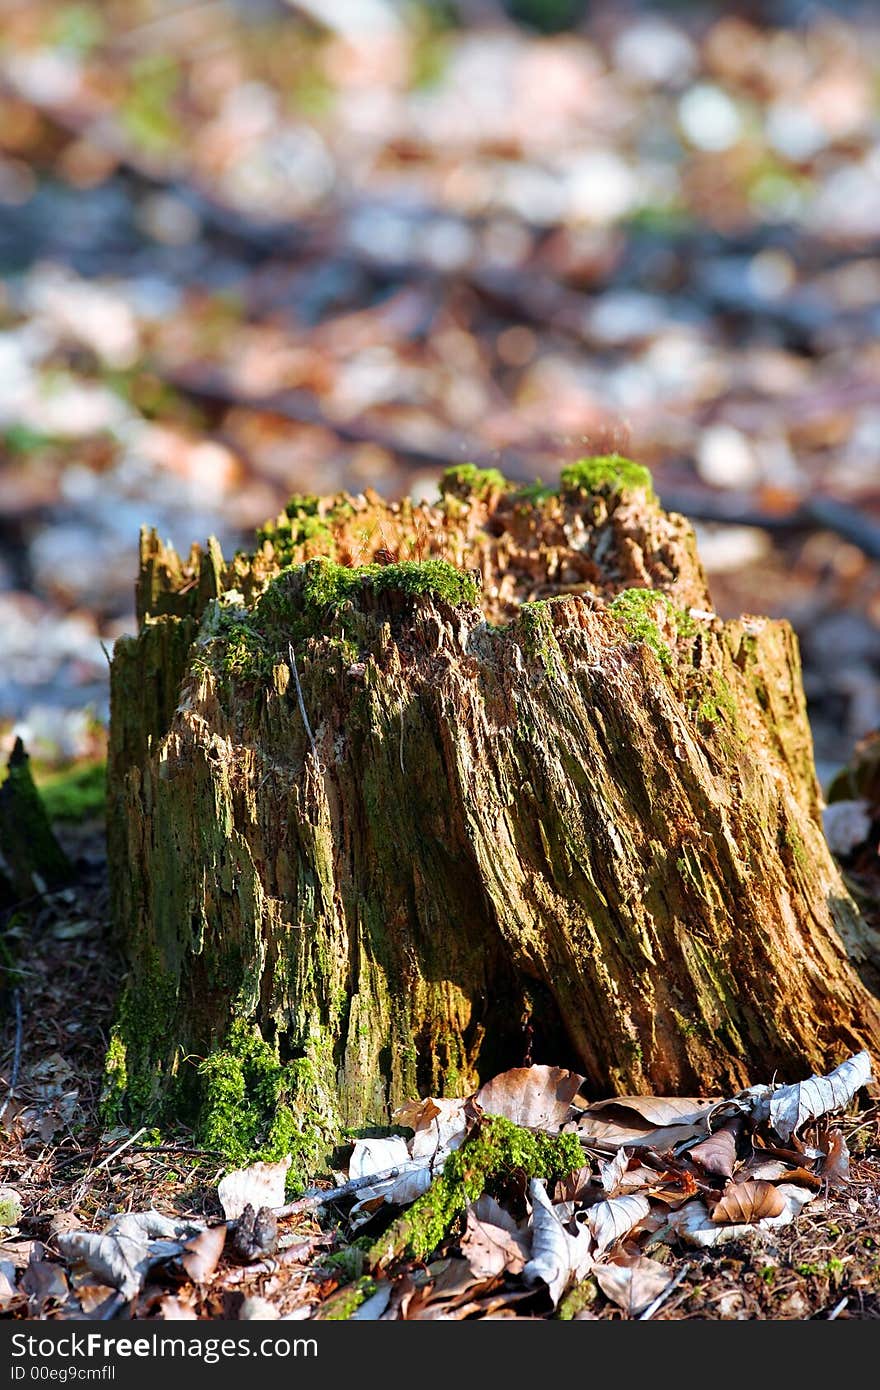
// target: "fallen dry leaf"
[[609, 1221], [656, 1122], [633, 1284], [130, 1245], [717, 1154], [535, 1097], [201, 1254], [693, 1224], [558, 1258], [414, 1176], [792, 1106], [440, 1125], [835, 1168], [746, 1202], [492, 1249], [260, 1185], [611, 1173]]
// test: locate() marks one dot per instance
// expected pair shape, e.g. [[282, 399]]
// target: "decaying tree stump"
[[414, 793]]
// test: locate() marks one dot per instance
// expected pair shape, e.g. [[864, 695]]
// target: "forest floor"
[[70, 1172]]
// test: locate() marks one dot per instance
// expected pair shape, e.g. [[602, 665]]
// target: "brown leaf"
[[536, 1097], [201, 1255], [576, 1186], [656, 1122], [745, 1202], [717, 1154], [835, 1165], [491, 1249], [633, 1284]]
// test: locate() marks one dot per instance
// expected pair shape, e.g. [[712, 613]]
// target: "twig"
[[301, 703], [838, 1309], [116, 1152], [312, 1200], [16, 1055], [662, 1297]]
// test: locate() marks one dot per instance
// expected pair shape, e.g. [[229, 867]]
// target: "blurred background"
[[250, 247]]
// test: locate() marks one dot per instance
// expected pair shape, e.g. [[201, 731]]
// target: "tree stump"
[[417, 792]]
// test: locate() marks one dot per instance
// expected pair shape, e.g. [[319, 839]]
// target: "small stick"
[[838, 1309], [662, 1297], [301, 702], [116, 1152], [312, 1200], [16, 1056]]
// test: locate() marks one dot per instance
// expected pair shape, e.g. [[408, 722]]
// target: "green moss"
[[138, 1039], [340, 1305], [10, 1208], [467, 480], [301, 521], [232, 644], [582, 1296], [115, 1089], [636, 610], [717, 703], [535, 492], [327, 586], [255, 1107], [77, 793], [535, 622], [607, 475], [498, 1151], [27, 844]]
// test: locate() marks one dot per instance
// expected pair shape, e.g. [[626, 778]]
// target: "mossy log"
[[416, 792]]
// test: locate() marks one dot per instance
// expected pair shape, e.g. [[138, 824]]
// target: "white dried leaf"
[[793, 1106], [254, 1308], [260, 1185], [412, 1180], [635, 1284], [847, 824], [122, 1255], [612, 1173], [413, 1177], [549, 1261], [377, 1156], [609, 1221]]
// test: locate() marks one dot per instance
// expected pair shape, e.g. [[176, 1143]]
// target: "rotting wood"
[[544, 805]]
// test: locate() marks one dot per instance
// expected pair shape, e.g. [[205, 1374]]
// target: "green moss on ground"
[[607, 475], [33, 857], [77, 793], [340, 1305], [496, 1153]]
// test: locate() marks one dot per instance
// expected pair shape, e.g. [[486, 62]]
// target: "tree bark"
[[515, 794]]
